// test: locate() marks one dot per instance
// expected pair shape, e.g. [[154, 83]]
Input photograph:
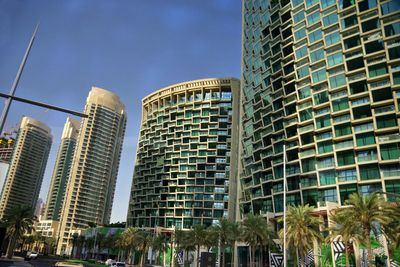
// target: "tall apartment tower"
[[321, 77], [28, 163], [62, 167], [187, 153], [90, 191]]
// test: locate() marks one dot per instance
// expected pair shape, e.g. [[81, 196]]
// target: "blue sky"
[[131, 47]]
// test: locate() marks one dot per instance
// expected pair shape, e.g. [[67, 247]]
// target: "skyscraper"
[[90, 191], [28, 162], [185, 172], [323, 78], [62, 167]]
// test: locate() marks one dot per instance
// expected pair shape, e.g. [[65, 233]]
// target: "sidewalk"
[[15, 262]]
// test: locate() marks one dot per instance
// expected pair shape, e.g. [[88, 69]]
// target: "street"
[[41, 261]]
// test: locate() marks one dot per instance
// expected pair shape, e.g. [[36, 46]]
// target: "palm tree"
[[227, 232], [142, 241], [302, 230], [346, 229], [74, 241], [160, 244], [100, 243], [256, 232], [184, 241], [19, 221], [127, 240], [198, 236], [367, 213]]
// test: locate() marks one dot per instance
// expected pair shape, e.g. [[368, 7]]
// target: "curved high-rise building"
[[185, 171], [90, 190], [323, 78], [62, 167], [28, 163]]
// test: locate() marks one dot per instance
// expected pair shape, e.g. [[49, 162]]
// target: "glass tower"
[[28, 163], [321, 77], [185, 171], [94, 168], [61, 171]]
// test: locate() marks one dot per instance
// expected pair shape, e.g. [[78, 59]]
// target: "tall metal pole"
[[284, 206], [16, 81]]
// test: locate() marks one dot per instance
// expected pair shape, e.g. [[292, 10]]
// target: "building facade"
[[27, 166], [6, 149], [185, 171], [62, 167], [90, 191], [321, 77]]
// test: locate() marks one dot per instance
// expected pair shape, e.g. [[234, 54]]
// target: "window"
[[319, 75], [301, 52], [297, 2], [325, 147], [298, 16], [343, 129], [302, 72], [392, 29], [317, 55], [352, 42], [305, 92], [327, 177], [310, 197], [365, 139], [370, 25], [390, 7], [337, 80], [326, 3], [326, 162], [367, 155], [330, 19], [368, 172], [323, 121], [311, 3], [367, 4], [321, 98], [335, 59], [386, 121], [377, 70], [349, 21], [396, 78], [346, 191], [391, 170], [308, 165], [300, 34], [305, 114], [390, 151], [346, 3], [347, 175], [340, 104], [345, 158], [328, 195], [315, 36], [394, 188], [374, 46], [313, 18], [332, 38], [394, 52], [368, 189]]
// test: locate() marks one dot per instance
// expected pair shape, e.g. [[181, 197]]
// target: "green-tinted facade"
[[323, 78], [183, 174]]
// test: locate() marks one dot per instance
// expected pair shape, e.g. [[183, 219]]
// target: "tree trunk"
[[11, 245], [253, 256], [198, 256], [142, 259], [368, 245], [346, 249], [233, 253], [223, 256]]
